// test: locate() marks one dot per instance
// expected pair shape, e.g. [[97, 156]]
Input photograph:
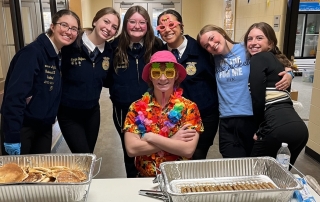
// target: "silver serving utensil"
[[154, 194], [155, 180]]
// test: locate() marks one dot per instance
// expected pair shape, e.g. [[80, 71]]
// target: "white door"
[[31, 21], [154, 8]]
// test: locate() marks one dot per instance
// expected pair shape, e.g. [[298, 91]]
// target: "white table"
[[126, 190], [121, 190]]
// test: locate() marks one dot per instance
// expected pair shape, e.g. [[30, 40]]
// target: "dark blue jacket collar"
[[43, 39], [191, 49], [82, 47]]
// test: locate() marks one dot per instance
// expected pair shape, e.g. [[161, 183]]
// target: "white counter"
[[126, 190], [120, 190]]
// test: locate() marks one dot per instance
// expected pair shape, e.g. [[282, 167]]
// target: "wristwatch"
[[291, 73]]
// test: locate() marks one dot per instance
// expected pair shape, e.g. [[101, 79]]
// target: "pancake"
[[42, 169], [79, 174], [67, 177], [48, 179], [55, 172], [59, 168], [11, 172], [34, 177], [32, 170]]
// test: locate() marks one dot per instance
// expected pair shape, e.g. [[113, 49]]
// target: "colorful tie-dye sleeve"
[[129, 123]]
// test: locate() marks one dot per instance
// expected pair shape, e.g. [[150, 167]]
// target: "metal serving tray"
[[178, 173], [49, 192]]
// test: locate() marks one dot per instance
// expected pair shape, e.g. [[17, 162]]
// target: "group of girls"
[[63, 71]]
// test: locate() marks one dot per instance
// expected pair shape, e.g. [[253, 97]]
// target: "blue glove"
[[12, 148]]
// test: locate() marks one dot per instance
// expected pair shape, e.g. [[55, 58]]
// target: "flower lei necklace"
[[174, 115]]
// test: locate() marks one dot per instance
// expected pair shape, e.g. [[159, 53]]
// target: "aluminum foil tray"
[[49, 192], [261, 169]]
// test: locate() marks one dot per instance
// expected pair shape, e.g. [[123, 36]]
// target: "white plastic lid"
[[284, 144]]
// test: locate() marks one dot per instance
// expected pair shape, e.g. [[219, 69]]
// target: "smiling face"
[[107, 26], [170, 30], [214, 43], [137, 27], [61, 37], [257, 42], [160, 82]]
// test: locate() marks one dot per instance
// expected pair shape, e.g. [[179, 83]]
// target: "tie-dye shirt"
[[146, 115]]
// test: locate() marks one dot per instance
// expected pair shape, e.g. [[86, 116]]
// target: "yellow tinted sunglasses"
[[169, 71]]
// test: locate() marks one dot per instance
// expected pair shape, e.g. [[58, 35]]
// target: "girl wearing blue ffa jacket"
[[84, 70], [133, 49], [33, 88], [199, 85]]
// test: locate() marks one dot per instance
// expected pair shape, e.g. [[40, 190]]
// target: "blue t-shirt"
[[232, 75]]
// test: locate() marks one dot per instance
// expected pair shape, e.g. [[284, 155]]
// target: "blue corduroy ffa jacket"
[[127, 85], [200, 85], [82, 79], [32, 88]]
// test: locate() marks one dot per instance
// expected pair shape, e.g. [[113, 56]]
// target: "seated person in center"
[[162, 125]]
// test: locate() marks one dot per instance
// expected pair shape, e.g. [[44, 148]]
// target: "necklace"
[[144, 106]]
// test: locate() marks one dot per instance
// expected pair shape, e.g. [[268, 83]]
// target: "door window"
[[154, 9]]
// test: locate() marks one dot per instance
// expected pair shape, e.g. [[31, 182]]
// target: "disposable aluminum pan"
[[49, 192], [176, 174]]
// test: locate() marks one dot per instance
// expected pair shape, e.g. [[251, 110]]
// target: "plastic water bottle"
[[283, 156]]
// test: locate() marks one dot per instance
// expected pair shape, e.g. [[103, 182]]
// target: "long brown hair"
[[121, 56], [209, 28], [61, 13], [271, 36], [101, 13]]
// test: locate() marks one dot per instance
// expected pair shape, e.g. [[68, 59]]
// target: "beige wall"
[[257, 11], [314, 121], [90, 8], [86, 13], [75, 6], [246, 14], [96, 5], [212, 12], [191, 11]]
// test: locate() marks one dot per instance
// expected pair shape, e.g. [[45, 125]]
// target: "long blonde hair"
[[209, 28]]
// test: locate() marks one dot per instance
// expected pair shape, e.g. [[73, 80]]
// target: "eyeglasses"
[[134, 22], [170, 24], [168, 72], [65, 27]]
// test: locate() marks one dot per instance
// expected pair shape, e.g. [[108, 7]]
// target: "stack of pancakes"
[[12, 173]]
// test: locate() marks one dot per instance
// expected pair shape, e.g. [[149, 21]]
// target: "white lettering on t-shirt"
[[224, 74], [237, 72]]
